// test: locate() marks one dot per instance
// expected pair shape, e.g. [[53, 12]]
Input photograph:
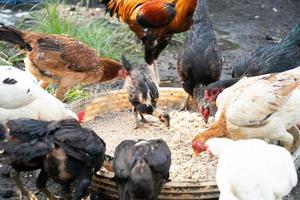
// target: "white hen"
[[252, 169], [265, 107], [21, 97]]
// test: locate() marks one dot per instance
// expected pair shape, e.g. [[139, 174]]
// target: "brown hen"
[[62, 60]]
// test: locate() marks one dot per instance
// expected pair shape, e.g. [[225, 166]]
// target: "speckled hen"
[[141, 168], [143, 94]]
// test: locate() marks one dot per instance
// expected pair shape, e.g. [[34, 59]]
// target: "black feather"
[[272, 59], [199, 61], [141, 168], [27, 129], [9, 81], [13, 36], [126, 64]]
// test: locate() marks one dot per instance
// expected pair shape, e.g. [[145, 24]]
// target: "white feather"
[[252, 169], [25, 99]]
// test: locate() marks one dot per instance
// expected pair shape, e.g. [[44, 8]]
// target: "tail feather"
[[126, 64], [13, 36], [27, 129]]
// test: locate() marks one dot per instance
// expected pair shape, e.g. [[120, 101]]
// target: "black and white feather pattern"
[[141, 88]]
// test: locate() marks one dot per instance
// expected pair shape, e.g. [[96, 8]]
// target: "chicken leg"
[[154, 73], [184, 106], [15, 175], [41, 185]]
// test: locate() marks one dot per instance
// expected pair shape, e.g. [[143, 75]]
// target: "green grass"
[[110, 40]]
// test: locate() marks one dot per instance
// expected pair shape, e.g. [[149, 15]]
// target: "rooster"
[[264, 107], [271, 59], [199, 61], [21, 97], [63, 150], [252, 169], [62, 60], [143, 95], [141, 168], [154, 22]]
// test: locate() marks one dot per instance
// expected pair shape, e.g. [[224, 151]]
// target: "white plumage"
[[265, 107], [21, 97], [252, 169]]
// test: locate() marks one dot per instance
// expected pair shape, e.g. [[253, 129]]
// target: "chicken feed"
[[118, 126]]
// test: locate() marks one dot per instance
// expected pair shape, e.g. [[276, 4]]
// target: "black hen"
[[271, 59], [82, 153], [25, 146], [63, 150], [199, 61], [143, 94], [141, 168]]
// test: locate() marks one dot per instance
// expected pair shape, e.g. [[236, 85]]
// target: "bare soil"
[[241, 26]]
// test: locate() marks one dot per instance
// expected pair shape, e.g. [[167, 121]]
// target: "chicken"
[[275, 58], [252, 169], [63, 150], [143, 95], [199, 61], [264, 107], [24, 149], [62, 60], [21, 97], [154, 22], [141, 168]]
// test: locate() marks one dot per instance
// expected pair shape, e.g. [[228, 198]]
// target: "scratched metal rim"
[[117, 100]]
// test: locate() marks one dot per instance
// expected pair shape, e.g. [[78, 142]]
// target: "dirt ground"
[[240, 25]]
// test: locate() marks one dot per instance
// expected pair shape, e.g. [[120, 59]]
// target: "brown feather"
[[219, 129]]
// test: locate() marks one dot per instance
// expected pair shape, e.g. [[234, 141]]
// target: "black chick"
[[199, 61], [279, 57], [70, 153], [143, 95], [25, 147], [81, 151], [141, 168]]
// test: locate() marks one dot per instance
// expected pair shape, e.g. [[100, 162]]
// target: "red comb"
[[80, 116]]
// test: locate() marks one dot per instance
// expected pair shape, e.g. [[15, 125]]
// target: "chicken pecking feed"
[[143, 95], [141, 168]]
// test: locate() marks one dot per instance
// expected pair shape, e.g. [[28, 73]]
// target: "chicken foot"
[[41, 185], [15, 175], [138, 122], [184, 106]]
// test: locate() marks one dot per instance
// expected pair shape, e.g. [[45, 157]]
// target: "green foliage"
[[110, 40]]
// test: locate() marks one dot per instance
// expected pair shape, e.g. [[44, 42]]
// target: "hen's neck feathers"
[[219, 129]]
